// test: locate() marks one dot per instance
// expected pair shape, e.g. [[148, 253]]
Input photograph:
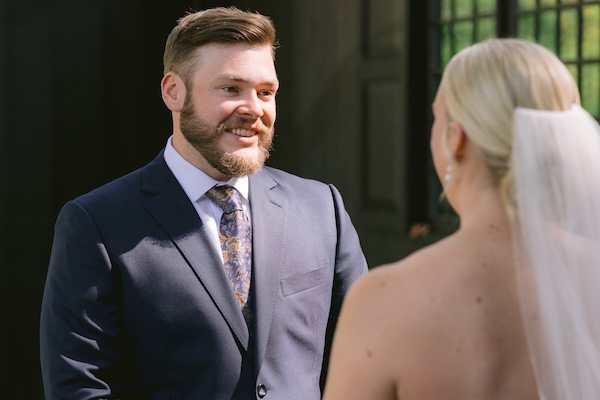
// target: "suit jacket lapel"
[[172, 209], [268, 228]]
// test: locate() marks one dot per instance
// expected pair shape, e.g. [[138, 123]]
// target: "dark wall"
[[79, 105]]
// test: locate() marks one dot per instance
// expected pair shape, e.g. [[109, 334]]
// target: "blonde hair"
[[484, 83]]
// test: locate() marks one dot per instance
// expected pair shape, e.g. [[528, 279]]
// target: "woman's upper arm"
[[361, 364]]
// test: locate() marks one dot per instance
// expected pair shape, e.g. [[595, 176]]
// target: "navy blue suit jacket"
[[138, 306]]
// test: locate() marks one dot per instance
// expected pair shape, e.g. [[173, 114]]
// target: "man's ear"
[[173, 91], [457, 140]]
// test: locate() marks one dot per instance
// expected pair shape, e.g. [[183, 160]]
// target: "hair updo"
[[484, 83]]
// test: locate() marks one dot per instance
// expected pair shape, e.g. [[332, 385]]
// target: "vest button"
[[261, 390]]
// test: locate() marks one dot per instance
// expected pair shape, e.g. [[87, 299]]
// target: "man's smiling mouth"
[[243, 132]]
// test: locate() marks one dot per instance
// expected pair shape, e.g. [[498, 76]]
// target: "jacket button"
[[261, 390]]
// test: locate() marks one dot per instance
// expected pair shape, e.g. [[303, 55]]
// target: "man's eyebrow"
[[236, 78]]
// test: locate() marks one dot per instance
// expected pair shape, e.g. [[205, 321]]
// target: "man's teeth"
[[243, 132]]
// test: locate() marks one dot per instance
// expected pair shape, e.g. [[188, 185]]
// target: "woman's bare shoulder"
[[406, 285], [427, 283], [424, 264]]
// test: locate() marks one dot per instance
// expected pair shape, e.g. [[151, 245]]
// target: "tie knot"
[[226, 197]]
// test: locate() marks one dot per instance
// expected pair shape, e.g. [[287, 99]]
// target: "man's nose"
[[252, 105]]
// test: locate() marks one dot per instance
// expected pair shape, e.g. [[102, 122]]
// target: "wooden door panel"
[[383, 211]]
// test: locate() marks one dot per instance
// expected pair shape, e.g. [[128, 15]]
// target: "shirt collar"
[[195, 182]]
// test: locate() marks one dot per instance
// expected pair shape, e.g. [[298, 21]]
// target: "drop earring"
[[448, 174]]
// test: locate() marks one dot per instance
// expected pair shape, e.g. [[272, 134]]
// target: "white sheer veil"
[[556, 163]]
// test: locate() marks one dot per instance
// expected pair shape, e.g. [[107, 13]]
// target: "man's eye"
[[230, 89]]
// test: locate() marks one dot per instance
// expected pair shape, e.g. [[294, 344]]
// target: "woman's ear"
[[173, 91], [457, 140]]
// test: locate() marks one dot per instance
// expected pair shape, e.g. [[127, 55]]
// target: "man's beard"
[[205, 139]]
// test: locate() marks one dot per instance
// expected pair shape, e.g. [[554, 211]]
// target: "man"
[[157, 290]]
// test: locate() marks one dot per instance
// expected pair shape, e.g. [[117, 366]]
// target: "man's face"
[[229, 111]]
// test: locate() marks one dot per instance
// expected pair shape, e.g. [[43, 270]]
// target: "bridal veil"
[[556, 164]]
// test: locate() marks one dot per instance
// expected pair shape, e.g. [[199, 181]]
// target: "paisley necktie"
[[235, 234]]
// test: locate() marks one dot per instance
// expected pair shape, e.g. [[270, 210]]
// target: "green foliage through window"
[[569, 28]]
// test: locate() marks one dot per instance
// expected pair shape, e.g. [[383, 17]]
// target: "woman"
[[504, 308]]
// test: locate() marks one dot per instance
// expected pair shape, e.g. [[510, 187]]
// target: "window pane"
[[569, 1], [568, 34], [463, 32], [591, 24], [547, 3], [590, 90], [486, 6], [445, 46], [525, 4], [464, 7], [487, 28], [526, 27], [548, 30], [446, 10], [573, 70]]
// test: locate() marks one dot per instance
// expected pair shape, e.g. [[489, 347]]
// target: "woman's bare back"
[[442, 324], [476, 348]]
